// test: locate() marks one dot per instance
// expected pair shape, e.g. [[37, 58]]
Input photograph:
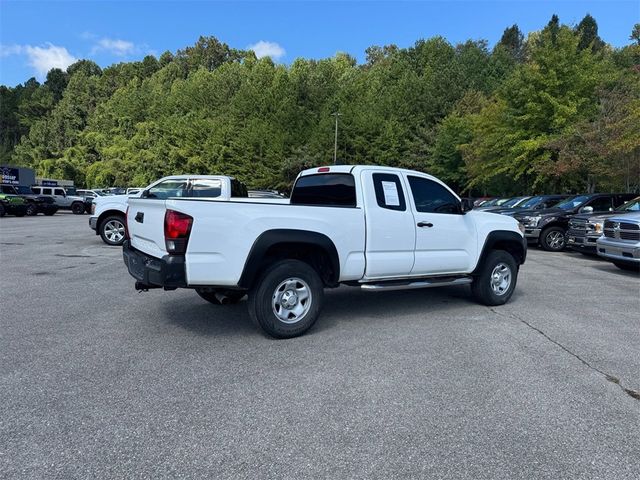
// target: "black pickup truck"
[[548, 227]]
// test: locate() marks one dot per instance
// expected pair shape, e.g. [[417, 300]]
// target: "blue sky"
[[37, 35]]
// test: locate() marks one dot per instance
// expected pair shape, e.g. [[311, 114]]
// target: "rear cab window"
[[388, 190], [325, 189]]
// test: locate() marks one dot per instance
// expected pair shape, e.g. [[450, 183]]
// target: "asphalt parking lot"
[[99, 381]]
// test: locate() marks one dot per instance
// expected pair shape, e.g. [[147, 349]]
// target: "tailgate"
[[145, 223]]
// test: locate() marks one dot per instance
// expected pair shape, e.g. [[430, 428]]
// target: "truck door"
[[390, 230], [60, 197], [446, 240]]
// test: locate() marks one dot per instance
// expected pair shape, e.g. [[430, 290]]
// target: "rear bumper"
[[167, 272], [618, 251]]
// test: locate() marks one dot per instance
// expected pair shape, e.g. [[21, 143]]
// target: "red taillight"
[[324, 169], [126, 223], [177, 227]]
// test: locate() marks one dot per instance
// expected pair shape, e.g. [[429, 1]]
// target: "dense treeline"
[[557, 111]]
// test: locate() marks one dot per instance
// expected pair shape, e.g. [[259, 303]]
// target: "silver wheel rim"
[[501, 279], [114, 231], [291, 300], [555, 239]]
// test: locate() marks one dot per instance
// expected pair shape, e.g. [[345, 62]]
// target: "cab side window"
[[431, 197], [46, 191], [602, 204], [168, 189], [388, 191], [59, 191]]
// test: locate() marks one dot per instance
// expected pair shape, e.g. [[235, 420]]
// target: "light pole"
[[335, 144]]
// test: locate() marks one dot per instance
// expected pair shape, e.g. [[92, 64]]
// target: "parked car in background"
[[108, 212], [35, 203], [548, 227], [63, 200], [264, 194], [620, 243], [12, 205], [539, 202], [496, 202], [478, 202], [585, 229], [514, 202]]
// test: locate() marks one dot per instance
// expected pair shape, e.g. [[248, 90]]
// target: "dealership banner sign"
[[10, 176]]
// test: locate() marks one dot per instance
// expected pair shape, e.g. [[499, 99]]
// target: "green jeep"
[[12, 205]]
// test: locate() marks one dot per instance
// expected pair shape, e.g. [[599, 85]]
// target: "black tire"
[[629, 267], [302, 278], [552, 239], [483, 284], [77, 208], [3, 212], [232, 296], [107, 227], [48, 213], [21, 213], [32, 210]]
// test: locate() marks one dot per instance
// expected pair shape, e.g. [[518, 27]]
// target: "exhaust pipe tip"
[[222, 298]]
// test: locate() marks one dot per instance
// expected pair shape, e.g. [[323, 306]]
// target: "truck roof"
[[355, 169]]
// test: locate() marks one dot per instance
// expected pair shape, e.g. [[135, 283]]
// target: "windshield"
[[572, 202], [532, 202], [630, 206], [71, 190], [503, 201]]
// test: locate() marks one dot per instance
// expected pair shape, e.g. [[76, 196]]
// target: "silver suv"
[[620, 243]]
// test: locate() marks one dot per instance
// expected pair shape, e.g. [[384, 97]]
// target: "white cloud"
[[41, 58], [267, 49], [115, 46]]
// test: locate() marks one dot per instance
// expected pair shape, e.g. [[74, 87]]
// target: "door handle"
[[425, 224]]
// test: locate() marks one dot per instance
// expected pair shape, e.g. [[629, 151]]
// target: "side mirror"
[[466, 205], [587, 210]]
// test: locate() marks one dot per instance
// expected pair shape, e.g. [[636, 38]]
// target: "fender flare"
[[271, 238], [499, 239]]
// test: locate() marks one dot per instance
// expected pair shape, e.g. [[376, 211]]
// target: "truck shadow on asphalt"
[[345, 304]]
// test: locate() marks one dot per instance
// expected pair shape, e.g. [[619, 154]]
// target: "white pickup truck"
[[373, 227], [108, 211]]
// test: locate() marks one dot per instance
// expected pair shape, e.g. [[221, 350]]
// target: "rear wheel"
[[77, 208], [496, 280], [220, 297], [287, 299], [553, 239], [112, 230]]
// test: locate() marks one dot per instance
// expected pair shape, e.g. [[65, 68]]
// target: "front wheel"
[[287, 299], [553, 239], [112, 230], [77, 208], [496, 280]]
